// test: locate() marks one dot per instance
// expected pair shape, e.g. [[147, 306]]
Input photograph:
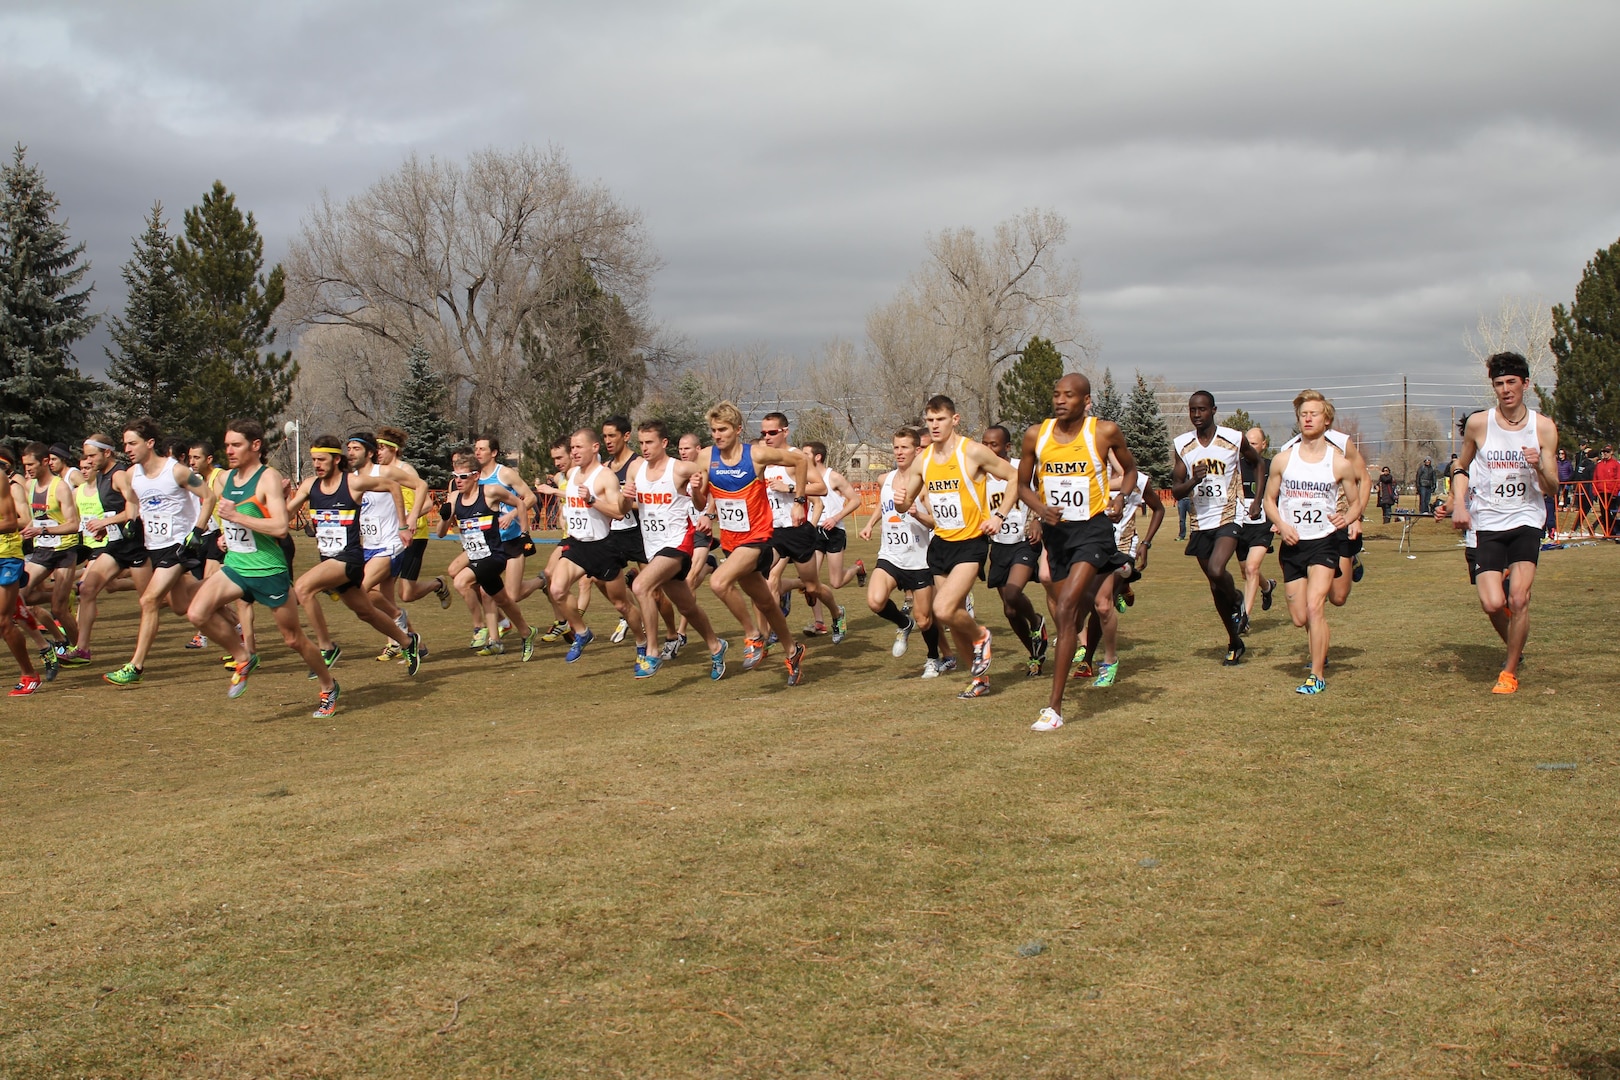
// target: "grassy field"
[[501, 869]]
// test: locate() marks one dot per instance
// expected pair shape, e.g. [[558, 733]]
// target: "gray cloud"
[[1261, 193]]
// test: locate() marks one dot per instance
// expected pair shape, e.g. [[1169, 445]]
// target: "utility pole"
[[1406, 442]]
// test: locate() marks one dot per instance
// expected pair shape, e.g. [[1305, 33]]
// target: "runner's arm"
[[1154, 504]]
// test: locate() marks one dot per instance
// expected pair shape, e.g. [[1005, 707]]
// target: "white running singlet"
[[1215, 497], [1506, 490], [167, 512], [666, 512], [1016, 513], [585, 521], [1309, 493], [905, 539]]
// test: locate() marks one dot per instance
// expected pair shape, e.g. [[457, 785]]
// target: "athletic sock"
[[931, 639], [892, 614]]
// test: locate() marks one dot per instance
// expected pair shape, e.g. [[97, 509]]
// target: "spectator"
[[1183, 508], [1386, 492], [1606, 488], [1585, 468], [1566, 473], [1427, 477]]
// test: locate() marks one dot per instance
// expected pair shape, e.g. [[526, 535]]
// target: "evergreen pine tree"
[[1586, 345], [42, 312], [235, 372], [1106, 404], [1238, 420], [582, 361], [152, 363], [1146, 433], [419, 411], [1026, 390]]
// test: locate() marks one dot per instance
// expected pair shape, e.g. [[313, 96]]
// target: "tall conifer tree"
[[1586, 343], [1026, 390], [152, 361], [419, 410], [42, 312], [1106, 404], [1146, 432]]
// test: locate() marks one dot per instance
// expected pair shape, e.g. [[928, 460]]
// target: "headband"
[[326, 450], [386, 442], [363, 439], [99, 445]]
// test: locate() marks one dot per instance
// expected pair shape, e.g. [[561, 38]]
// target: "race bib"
[[331, 538], [1070, 495], [160, 530], [1210, 489], [47, 540], [1511, 488], [947, 508], [579, 520], [655, 528], [239, 538], [897, 535], [474, 540], [733, 514], [370, 530], [113, 532]]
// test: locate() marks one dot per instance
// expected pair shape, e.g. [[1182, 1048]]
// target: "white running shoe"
[[902, 638], [619, 632], [968, 603], [1049, 721], [932, 669], [403, 623]]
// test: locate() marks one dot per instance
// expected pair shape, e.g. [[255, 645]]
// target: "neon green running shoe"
[[128, 675], [1106, 674]]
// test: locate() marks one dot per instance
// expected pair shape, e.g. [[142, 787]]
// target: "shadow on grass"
[[1592, 1064], [1133, 688], [1479, 661], [1339, 659]]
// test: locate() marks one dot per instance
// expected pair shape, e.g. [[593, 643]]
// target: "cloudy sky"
[[1260, 195]]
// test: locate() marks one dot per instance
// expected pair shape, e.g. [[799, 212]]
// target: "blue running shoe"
[[578, 647], [1312, 685], [717, 661]]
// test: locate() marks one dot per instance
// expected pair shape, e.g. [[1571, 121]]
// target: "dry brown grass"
[[533, 870]]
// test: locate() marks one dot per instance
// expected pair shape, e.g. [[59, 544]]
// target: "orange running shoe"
[[1505, 684]]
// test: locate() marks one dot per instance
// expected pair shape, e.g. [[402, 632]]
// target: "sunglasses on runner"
[[772, 433], [458, 476]]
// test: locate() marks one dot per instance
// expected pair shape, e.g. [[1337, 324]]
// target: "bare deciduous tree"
[[753, 377], [970, 308], [1519, 324], [467, 258]]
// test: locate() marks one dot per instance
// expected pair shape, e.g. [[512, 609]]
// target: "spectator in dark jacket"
[[1585, 467], [1386, 492], [1427, 477], [1566, 473]]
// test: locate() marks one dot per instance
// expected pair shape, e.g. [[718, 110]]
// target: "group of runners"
[[644, 522]]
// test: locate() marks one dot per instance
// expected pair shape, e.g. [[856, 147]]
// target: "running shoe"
[[391, 652], [1325, 664], [1265, 593], [229, 661], [619, 632], [1042, 644], [1049, 721], [413, 655], [25, 686], [968, 603], [1313, 684], [239, 676], [1357, 571], [577, 649], [1119, 604], [815, 629], [328, 703], [786, 603], [979, 687], [329, 657], [1505, 684], [672, 647], [74, 658], [860, 573], [1106, 674], [840, 626], [441, 589], [981, 655], [1032, 667], [1234, 654], [948, 664], [197, 642], [932, 668], [1081, 669], [1130, 596], [717, 660], [494, 648], [504, 627], [753, 652], [647, 666], [128, 675], [480, 638], [771, 639], [52, 662], [1243, 623], [905, 608], [528, 643], [558, 631], [402, 622], [795, 664], [902, 639]]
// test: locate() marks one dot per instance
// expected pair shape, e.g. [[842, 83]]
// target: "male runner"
[[732, 471], [902, 562], [390, 445], [1012, 557], [108, 516], [556, 487], [1206, 467], [797, 543], [515, 539], [11, 576], [253, 518], [594, 500], [953, 472], [1353, 508], [476, 508], [175, 504], [1063, 479], [703, 560], [1305, 499], [658, 487], [618, 453], [386, 526], [1254, 534], [1114, 593], [1505, 466], [54, 529], [829, 510], [333, 495]]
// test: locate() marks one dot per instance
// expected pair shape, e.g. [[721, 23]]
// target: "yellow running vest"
[[1073, 477], [957, 503]]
